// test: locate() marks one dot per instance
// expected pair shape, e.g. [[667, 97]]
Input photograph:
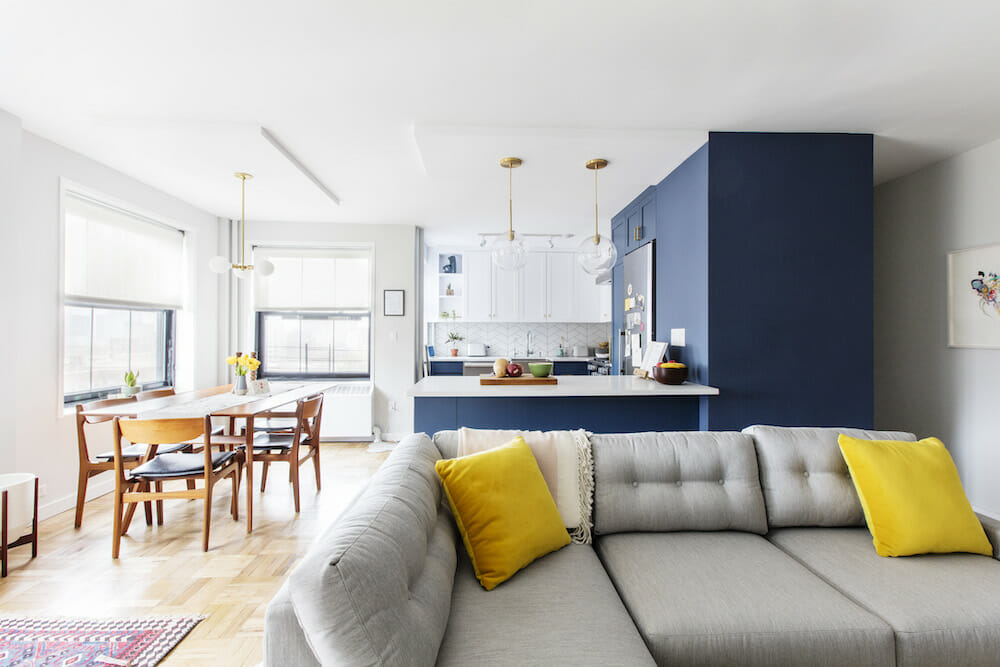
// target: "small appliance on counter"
[[476, 350], [582, 351]]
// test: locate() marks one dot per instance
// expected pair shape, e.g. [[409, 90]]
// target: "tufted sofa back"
[[375, 588], [674, 481], [805, 478]]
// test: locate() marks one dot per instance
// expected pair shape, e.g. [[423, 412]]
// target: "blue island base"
[[599, 414]]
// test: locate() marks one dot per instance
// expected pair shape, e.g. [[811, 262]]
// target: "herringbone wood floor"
[[163, 571]]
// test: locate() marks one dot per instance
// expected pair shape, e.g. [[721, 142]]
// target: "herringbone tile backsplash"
[[510, 340]]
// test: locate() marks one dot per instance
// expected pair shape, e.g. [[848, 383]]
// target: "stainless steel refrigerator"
[[640, 315]]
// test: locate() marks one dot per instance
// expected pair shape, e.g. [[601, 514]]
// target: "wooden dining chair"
[[273, 447], [150, 394], [131, 455], [145, 482]]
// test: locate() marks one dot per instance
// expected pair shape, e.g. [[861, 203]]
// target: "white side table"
[[18, 514]]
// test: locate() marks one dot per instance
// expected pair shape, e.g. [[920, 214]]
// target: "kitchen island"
[[598, 403]]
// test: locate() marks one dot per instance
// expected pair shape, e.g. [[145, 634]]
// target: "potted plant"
[[448, 291], [242, 363], [453, 338], [131, 386]]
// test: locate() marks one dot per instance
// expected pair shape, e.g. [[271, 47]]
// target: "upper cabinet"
[[551, 287], [640, 220]]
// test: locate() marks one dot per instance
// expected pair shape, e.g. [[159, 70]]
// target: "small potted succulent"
[[242, 363], [453, 339], [448, 291], [131, 386]]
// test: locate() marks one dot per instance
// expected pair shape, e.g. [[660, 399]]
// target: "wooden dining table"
[[220, 402]]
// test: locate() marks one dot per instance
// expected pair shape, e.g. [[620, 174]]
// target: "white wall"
[[920, 384], [395, 344], [36, 431]]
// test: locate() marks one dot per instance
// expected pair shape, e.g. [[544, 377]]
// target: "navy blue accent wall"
[[682, 260], [790, 291]]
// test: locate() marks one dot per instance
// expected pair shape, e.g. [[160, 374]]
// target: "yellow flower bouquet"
[[243, 364]]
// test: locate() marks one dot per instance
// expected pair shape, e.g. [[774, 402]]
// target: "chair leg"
[[81, 496], [236, 496], [127, 520], [263, 476], [294, 474], [116, 540], [190, 485], [159, 505], [208, 517], [147, 506], [319, 482]]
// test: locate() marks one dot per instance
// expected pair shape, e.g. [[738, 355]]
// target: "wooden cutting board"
[[518, 381]]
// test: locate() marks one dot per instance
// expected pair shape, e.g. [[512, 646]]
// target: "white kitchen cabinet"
[[560, 287], [593, 301], [478, 286], [506, 295], [550, 288], [533, 280]]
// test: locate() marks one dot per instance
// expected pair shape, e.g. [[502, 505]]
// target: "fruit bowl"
[[674, 374], [541, 369]]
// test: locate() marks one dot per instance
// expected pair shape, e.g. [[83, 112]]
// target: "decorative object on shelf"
[[242, 363], [670, 372], [444, 315], [220, 264], [448, 291], [131, 386], [392, 302], [453, 338], [451, 266], [509, 252], [974, 297], [597, 253], [19, 503]]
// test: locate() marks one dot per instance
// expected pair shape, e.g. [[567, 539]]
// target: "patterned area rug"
[[80, 642]]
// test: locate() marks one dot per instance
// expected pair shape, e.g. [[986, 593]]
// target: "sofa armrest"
[[992, 528]]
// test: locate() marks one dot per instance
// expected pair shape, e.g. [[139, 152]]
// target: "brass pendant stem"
[[596, 164]]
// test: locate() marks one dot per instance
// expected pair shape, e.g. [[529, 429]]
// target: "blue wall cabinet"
[[619, 236]]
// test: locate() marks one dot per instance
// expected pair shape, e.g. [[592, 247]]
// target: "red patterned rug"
[[80, 642]]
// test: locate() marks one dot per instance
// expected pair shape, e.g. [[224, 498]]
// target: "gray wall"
[[920, 384]]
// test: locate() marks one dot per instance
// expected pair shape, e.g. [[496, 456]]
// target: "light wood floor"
[[163, 571]]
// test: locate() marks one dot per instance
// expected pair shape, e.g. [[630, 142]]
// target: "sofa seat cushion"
[[560, 610], [730, 598], [675, 482], [945, 608]]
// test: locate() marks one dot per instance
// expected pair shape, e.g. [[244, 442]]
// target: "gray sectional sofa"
[[710, 548]]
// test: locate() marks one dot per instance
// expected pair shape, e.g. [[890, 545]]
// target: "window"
[[313, 314], [101, 341], [122, 288]]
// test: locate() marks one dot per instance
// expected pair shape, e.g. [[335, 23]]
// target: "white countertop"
[[491, 359], [569, 385]]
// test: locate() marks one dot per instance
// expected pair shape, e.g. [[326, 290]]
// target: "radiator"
[[347, 412]]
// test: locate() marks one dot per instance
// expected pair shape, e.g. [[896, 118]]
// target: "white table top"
[[569, 385]]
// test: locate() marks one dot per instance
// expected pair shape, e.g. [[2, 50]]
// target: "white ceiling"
[[404, 108]]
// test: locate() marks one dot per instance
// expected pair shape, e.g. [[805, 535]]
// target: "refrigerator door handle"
[[621, 352]]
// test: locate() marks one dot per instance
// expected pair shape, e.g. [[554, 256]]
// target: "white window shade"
[[314, 279], [113, 256]]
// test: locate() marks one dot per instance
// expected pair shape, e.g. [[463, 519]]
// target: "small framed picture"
[[392, 302]]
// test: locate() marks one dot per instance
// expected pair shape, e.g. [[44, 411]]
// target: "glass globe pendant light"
[[508, 251], [220, 264], [596, 253]]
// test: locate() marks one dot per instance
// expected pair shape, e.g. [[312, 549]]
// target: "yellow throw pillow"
[[503, 509], [913, 498]]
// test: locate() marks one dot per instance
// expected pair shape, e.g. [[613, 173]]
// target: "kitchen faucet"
[[527, 349]]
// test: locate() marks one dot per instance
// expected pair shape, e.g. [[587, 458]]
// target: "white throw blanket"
[[565, 461]]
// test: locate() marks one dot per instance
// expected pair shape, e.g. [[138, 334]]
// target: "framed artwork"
[[974, 297], [392, 302]]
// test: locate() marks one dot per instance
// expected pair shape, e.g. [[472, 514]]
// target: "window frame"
[[169, 352], [260, 342]]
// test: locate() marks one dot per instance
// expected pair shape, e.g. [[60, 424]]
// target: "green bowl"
[[541, 370]]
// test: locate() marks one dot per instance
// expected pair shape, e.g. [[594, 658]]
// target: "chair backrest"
[[160, 432], [309, 412], [82, 420], [154, 393]]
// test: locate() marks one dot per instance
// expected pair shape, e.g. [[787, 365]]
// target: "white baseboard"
[[95, 489]]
